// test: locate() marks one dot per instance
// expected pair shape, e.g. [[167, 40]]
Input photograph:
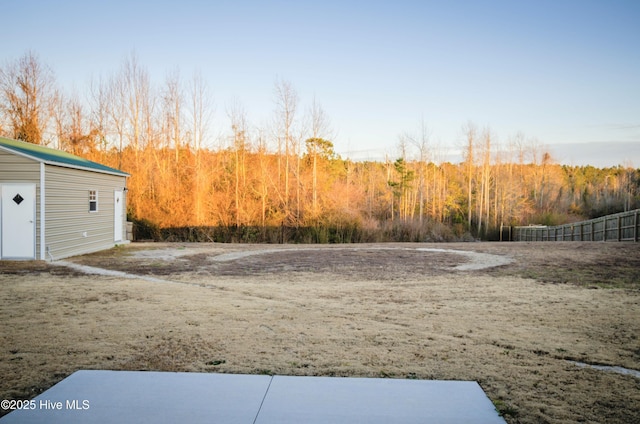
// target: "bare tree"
[[201, 114], [318, 145], [173, 100], [116, 107], [132, 115], [74, 129], [470, 132], [201, 110], [238, 118], [99, 106], [130, 101], [265, 176], [421, 143], [286, 100], [485, 182], [27, 93]]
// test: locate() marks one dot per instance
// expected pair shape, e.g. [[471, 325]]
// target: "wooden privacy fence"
[[624, 226]]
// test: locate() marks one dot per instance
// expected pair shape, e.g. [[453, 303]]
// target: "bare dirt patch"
[[388, 310]]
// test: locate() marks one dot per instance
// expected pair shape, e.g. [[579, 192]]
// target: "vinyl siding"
[[70, 228], [18, 169]]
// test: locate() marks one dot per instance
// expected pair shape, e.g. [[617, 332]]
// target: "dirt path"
[[476, 260], [92, 270], [393, 310]]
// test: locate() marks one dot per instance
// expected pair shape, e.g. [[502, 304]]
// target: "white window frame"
[[93, 198]]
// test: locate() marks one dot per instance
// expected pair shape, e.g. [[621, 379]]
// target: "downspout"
[[42, 214]]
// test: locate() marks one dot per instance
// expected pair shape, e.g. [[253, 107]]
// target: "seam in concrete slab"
[[263, 399]]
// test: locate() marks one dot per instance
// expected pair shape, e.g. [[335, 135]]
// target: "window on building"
[[93, 201]]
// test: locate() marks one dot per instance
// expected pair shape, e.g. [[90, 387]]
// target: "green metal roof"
[[55, 157]]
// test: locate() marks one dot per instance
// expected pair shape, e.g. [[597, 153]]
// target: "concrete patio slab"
[[147, 397], [375, 400], [162, 397]]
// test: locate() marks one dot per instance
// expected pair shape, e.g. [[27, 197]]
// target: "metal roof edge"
[[101, 169], [115, 172], [20, 153]]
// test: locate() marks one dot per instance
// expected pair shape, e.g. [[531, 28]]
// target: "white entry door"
[[118, 214], [18, 221]]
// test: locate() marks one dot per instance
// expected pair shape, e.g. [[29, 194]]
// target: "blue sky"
[[560, 71]]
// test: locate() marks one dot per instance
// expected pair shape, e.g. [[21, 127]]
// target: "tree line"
[[283, 181]]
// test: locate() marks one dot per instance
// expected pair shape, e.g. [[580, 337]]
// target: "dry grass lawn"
[[343, 310]]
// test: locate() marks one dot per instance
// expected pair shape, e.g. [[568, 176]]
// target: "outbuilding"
[[55, 204]]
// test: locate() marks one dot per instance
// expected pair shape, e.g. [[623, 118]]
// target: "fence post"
[[619, 227], [635, 226]]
